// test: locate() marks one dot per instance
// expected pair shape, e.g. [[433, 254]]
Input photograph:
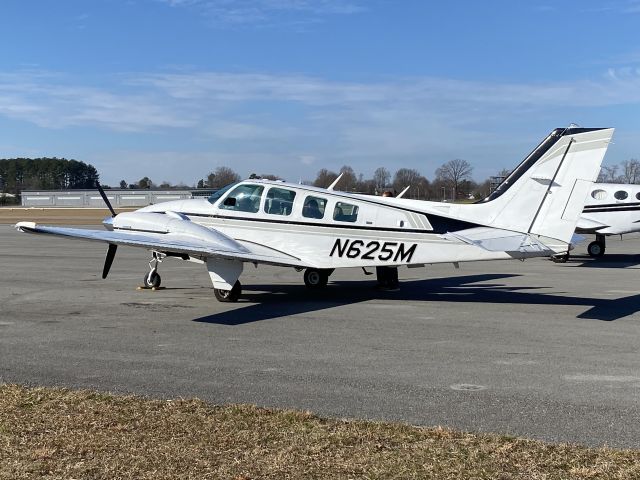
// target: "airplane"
[[533, 213], [610, 209]]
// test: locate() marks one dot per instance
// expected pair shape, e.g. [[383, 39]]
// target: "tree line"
[[452, 182], [17, 174], [452, 179]]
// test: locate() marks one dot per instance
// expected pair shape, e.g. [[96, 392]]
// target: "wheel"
[[596, 249], [154, 281], [560, 258], [229, 295], [314, 278]]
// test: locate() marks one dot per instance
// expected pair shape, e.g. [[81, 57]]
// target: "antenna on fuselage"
[[335, 182], [403, 191]]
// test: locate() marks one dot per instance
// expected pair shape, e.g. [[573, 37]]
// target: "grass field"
[[56, 216], [54, 433]]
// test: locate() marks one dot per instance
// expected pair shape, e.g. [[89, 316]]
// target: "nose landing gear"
[[152, 279]]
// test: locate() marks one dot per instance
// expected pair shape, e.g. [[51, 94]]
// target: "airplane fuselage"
[[349, 231]]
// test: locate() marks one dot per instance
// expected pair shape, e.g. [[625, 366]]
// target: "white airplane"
[[610, 209], [532, 214]]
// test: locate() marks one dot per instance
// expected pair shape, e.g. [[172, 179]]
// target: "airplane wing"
[[208, 243]]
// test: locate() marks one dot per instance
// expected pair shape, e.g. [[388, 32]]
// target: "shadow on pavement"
[[609, 260], [273, 301]]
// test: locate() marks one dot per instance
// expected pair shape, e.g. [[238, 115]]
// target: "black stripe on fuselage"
[[440, 225], [612, 205], [622, 208]]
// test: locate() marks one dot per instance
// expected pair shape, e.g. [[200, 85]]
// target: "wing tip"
[[25, 226]]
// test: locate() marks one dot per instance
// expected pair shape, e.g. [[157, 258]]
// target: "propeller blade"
[[106, 200], [111, 253]]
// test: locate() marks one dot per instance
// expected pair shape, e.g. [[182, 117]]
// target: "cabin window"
[[279, 201], [345, 212], [599, 194], [621, 195], [219, 193], [314, 207], [243, 198], [638, 196]]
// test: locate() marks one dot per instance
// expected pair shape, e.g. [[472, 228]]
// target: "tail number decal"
[[385, 251]]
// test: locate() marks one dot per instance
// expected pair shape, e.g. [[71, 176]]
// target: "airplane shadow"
[[274, 301], [610, 260]]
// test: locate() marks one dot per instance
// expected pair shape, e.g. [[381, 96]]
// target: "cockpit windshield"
[[216, 196]]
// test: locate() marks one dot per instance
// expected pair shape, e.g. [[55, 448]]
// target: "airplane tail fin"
[[544, 196]]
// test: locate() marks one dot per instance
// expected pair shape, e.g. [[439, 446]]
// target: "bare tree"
[[409, 177], [381, 178], [325, 178], [222, 176], [366, 186], [453, 173], [608, 174], [349, 180], [630, 171]]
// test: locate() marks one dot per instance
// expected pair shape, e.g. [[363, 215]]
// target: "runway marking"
[[586, 377], [467, 387], [4, 324], [515, 362]]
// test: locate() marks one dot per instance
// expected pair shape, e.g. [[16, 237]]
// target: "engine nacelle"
[[173, 224]]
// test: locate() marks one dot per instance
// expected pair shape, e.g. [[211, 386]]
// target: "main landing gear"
[[317, 278], [152, 279], [560, 258], [597, 248], [229, 295]]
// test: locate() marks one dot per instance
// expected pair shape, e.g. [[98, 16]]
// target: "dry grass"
[[55, 433], [56, 216]]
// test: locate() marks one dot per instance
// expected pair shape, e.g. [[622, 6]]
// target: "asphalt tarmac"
[[534, 349]]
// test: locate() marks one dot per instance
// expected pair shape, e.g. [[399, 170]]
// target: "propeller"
[[106, 199], [111, 253]]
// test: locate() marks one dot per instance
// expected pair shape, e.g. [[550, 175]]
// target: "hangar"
[[92, 199]]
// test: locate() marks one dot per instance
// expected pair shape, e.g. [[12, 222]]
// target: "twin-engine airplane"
[[532, 214], [610, 209]]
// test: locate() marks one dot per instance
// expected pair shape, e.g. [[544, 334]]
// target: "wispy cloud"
[[253, 12], [295, 119]]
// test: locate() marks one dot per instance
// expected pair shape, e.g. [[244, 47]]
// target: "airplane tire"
[[315, 279], [154, 282], [562, 258], [229, 295], [596, 249]]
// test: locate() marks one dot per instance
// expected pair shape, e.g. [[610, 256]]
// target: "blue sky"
[[171, 89]]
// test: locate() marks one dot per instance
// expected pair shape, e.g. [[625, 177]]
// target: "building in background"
[[92, 199]]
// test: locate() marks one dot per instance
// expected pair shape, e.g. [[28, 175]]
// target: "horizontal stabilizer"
[[495, 240]]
